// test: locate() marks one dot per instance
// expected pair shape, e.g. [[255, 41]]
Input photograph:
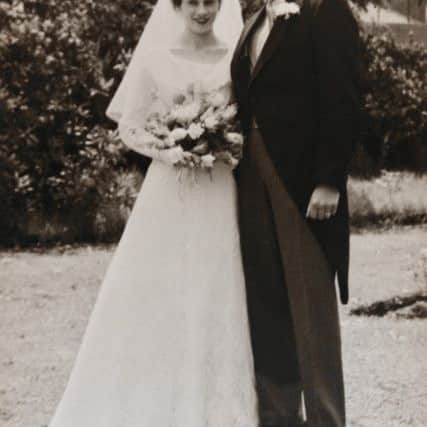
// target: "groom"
[[295, 77]]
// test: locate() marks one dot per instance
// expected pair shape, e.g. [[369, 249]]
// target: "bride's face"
[[199, 15]]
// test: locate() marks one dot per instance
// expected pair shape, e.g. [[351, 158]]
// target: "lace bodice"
[[169, 74], [162, 79]]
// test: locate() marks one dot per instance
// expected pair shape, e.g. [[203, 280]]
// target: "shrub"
[[60, 64], [396, 101], [393, 198], [61, 165]]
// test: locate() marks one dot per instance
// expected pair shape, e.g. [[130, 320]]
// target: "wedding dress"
[[168, 343]]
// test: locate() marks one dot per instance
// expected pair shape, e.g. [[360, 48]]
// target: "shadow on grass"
[[381, 222], [412, 306]]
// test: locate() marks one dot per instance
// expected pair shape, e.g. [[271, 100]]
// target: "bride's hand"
[[173, 156], [323, 203], [188, 160]]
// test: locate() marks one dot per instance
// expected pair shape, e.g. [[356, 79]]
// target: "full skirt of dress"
[[168, 342]]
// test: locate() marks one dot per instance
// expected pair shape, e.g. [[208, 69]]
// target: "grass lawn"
[[392, 198], [46, 299]]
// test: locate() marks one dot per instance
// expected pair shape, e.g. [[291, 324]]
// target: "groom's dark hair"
[[177, 3]]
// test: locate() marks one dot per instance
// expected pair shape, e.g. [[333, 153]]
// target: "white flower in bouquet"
[[207, 161], [234, 138], [186, 113], [201, 148], [153, 124], [217, 99], [166, 143], [229, 112], [195, 131], [211, 122], [169, 141], [161, 131], [178, 134], [209, 112], [284, 8]]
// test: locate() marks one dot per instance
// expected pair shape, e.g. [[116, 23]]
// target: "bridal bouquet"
[[203, 124]]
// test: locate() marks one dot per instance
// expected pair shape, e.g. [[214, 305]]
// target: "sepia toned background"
[[67, 186]]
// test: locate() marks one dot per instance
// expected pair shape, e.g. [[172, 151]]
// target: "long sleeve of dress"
[[142, 98], [133, 138]]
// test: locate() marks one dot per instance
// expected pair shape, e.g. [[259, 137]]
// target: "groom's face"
[[199, 15]]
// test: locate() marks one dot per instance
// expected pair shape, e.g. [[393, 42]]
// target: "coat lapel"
[[247, 30], [276, 35]]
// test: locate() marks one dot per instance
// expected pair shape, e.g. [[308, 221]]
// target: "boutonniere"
[[283, 8]]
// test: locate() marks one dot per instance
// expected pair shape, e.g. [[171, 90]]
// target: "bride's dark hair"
[[177, 3]]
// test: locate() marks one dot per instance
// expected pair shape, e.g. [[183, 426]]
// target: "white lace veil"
[[161, 31]]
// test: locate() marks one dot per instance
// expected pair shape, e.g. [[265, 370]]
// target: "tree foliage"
[[61, 61], [395, 99]]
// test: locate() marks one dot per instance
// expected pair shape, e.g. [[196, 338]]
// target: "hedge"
[[395, 101], [62, 167]]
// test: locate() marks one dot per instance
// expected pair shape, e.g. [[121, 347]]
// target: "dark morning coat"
[[304, 93]]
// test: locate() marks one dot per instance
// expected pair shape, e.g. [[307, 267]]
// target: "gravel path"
[[46, 299]]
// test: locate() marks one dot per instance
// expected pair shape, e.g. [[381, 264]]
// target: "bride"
[[167, 343]]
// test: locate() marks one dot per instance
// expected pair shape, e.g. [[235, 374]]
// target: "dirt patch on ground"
[[411, 306], [46, 300]]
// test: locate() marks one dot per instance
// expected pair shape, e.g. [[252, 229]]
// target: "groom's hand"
[[323, 202]]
